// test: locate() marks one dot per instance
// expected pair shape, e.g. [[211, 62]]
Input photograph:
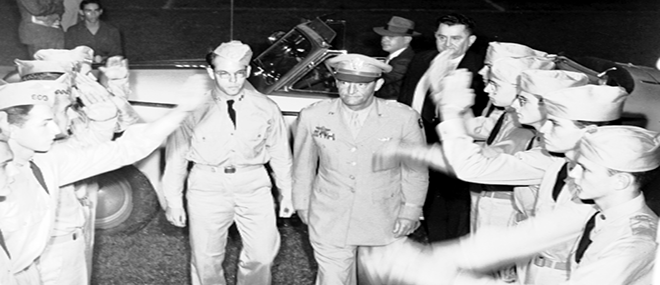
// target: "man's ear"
[[211, 72], [379, 84], [248, 69], [472, 39], [624, 180], [407, 40]]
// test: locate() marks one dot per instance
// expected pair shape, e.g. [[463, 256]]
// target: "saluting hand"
[[194, 92], [98, 105]]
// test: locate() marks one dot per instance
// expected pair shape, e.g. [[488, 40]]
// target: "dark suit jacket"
[[394, 78], [473, 61]]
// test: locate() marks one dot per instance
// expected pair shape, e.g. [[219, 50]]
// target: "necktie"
[[585, 240], [496, 129], [231, 111], [355, 124], [37, 174], [560, 181], [4, 246]]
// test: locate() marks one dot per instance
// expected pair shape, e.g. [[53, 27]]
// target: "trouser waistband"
[[496, 194], [226, 169], [542, 261]]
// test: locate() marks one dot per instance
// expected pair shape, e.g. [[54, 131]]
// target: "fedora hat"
[[397, 26]]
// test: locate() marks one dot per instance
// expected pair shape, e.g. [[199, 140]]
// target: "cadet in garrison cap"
[[611, 166], [229, 141], [354, 201], [27, 216]]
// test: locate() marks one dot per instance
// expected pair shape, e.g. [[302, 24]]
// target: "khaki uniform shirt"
[[353, 199], [27, 215], [208, 137], [623, 247]]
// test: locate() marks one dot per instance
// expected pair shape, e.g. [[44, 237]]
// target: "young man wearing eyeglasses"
[[229, 141]]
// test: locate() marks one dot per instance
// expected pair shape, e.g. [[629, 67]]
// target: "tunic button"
[[353, 149], [351, 177], [354, 163]]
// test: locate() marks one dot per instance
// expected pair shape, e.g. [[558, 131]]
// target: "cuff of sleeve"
[[454, 128], [174, 202], [411, 212]]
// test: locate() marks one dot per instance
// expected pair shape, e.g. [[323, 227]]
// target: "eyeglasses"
[[241, 74]]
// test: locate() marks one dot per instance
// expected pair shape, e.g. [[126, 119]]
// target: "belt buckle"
[[230, 170]]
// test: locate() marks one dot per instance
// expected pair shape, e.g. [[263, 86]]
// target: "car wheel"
[[126, 201]]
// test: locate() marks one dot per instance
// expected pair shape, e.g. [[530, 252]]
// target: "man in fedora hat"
[[395, 39]]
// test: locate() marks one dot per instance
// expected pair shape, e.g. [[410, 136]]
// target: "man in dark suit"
[[447, 207], [395, 39]]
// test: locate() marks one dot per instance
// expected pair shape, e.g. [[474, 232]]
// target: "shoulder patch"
[[643, 225]]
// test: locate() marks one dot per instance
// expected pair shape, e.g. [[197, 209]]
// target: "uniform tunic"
[[623, 247], [352, 199], [27, 234]]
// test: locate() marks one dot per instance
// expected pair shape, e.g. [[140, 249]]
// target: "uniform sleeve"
[[176, 165], [470, 163], [278, 148], [414, 176], [624, 262], [480, 127], [491, 247], [305, 160], [82, 163]]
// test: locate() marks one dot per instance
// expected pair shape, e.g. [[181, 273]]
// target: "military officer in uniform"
[[229, 141], [353, 200]]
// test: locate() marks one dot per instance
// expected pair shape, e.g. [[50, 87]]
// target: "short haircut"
[[584, 124], [42, 76], [17, 115], [642, 179], [209, 59], [457, 19], [85, 2]]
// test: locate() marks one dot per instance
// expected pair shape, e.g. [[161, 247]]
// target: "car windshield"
[[282, 56]]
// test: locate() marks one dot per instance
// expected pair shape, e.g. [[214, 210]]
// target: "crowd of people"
[[519, 173]]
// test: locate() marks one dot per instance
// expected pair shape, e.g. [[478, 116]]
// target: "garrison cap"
[[539, 82], [31, 92], [357, 68], [27, 67], [234, 51], [594, 103], [397, 27], [507, 70], [622, 148], [79, 54], [499, 50]]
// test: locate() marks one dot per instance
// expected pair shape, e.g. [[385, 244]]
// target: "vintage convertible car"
[[292, 72]]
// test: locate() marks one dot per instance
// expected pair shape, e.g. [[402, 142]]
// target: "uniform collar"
[[623, 210], [377, 106]]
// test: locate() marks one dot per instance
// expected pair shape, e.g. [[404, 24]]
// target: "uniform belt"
[[541, 261], [227, 169], [77, 234], [496, 194]]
